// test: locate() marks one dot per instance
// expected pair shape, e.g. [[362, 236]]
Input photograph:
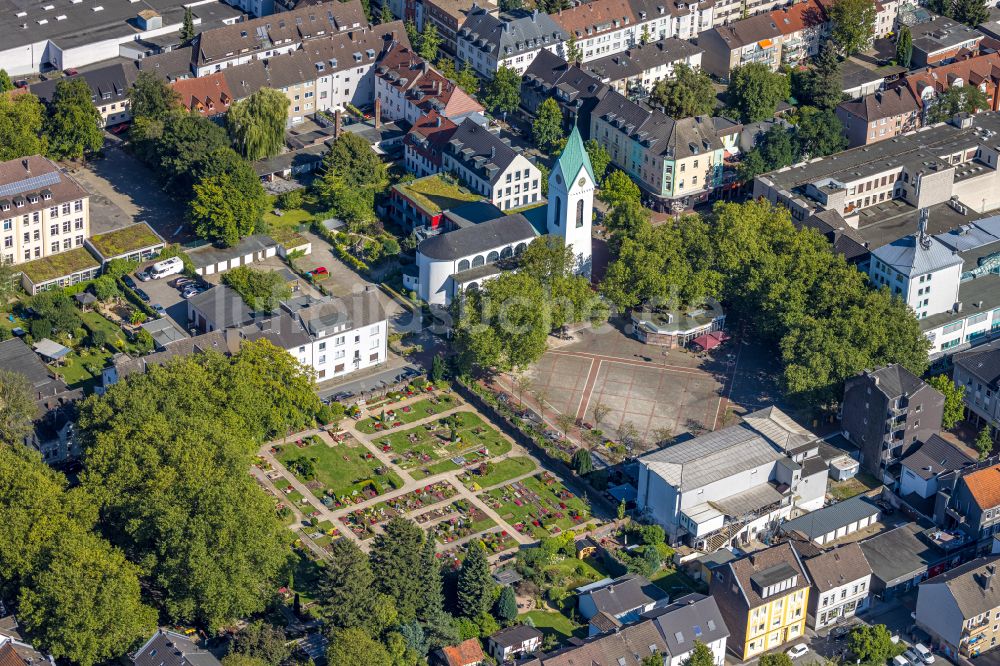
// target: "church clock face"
[[582, 181]]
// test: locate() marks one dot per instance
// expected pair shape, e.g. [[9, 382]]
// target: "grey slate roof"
[[836, 567], [748, 31], [515, 636], [973, 585], [884, 104], [982, 362], [719, 454], [910, 256], [223, 306], [625, 594], [936, 456], [896, 381], [18, 357], [693, 617], [480, 150], [113, 80], [166, 648], [830, 518], [768, 567], [625, 647], [547, 72], [511, 34], [941, 33], [464, 242], [171, 65], [639, 59]]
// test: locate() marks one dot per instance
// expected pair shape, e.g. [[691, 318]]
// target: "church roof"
[[574, 157]]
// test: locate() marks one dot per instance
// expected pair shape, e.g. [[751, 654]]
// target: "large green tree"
[[181, 147], [754, 91], [853, 24], [74, 125], [821, 85], [954, 405], [775, 659], [262, 641], [22, 118], [346, 588], [600, 158], [971, 12], [350, 647], [957, 99], [618, 189], [984, 443], [701, 655], [151, 97], [6, 85], [503, 92], [395, 560], [17, 407], [261, 290], [547, 129], [352, 176], [257, 124], [166, 454], [429, 42], [221, 212], [904, 46], [187, 32], [475, 585], [688, 93], [873, 644], [820, 132]]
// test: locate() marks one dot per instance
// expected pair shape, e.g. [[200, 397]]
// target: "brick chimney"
[[378, 113], [336, 123]]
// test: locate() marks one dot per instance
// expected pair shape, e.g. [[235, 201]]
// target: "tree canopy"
[[957, 99], [872, 644], [222, 211], [74, 125], [688, 93], [17, 407], [853, 25], [954, 406], [260, 290], [503, 93], [619, 188], [547, 129], [600, 159], [475, 585], [754, 91], [257, 124], [151, 97], [904, 46], [22, 119]]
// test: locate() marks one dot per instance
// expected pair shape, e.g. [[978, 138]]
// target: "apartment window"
[[65, 227], [373, 358], [54, 211], [65, 209], [55, 246], [9, 242], [8, 224], [78, 240], [322, 360], [322, 346], [37, 235], [339, 354], [338, 340], [54, 229], [78, 223], [36, 217], [78, 206], [375, 343], [67, 244]]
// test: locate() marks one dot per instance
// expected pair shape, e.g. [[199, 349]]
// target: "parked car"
[[159, 310], [340, 397], [926, 656], [119, 128], [188, 293], [840, 631], [144, 276], [70, 72], [900, 660], [797, 651], [318, 274], [143, 295], [181, 281], [912, 657], [129, 282]]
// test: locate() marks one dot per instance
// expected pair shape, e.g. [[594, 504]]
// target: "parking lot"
[[161, 293]]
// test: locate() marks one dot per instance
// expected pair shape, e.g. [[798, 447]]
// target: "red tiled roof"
[[208, 95], [9, 657], [599, 16], [424, 86], [984, 485], [799, 16], [465, 653], [972, 70]]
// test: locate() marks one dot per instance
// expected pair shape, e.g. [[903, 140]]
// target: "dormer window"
[[33, 198]]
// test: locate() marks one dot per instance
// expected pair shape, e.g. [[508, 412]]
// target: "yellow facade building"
[[764, 598]]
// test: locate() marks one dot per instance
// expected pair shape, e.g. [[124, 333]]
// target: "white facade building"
[[488, 42], [571, 201]]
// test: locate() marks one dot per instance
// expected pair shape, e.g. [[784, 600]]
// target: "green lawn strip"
[[674, 582], [552, 622], [74, 367], [572, 572], [418, 448], [5, 321], [436, 468], [344, 470], [847, 489], [418, 410], [503, 470], [504, 501], [116, 336]]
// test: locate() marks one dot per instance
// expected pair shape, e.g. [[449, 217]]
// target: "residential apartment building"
[[208, 96], [982, 71], [689, 619], [886, 13], [333, 337], [424, 144], [269, 36], [409, 88], [676, 163], [597, 29], [924, 471], [879, 116], [841, 584], [639, 68], [627, 647], [960, 609], [885, 413], [940, 40], [449, 15], [487, 164], [43, 211], [753, 39], [487, 42], [804, 29], [978, 370], [731, 11], [608, 604], [109, 88], [576, 91], [975, 503], [764, 598], [659, 19], [726, 487]]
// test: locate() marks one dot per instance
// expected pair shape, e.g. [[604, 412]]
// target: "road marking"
[[588, 389]]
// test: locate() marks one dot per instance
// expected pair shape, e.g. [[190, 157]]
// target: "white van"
[[925, 655], [162, 269], [900, 660]]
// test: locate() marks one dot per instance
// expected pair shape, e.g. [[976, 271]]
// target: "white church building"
[[465, 257]]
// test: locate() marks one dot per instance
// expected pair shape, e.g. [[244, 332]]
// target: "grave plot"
[[390, 417], [539, 505], [495, 541], [363, 521], [455, 521]]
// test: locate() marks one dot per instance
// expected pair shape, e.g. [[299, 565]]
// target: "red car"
[[70, 72], [119, 128], [321, 271]]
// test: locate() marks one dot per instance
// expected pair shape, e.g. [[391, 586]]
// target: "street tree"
[[701, 655], [429, 42], [600, 158], [503, 93], [853, 25], [547, 129], [257, 124], [775, 659], [475, 585], [619, 189], [688, 93], [984, 443], [754, 90], [22, 119], [873, 644], [74, 125], [904, 46], [954, 405]]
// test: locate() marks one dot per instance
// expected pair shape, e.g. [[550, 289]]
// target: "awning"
[[710, 340], [50, 349]]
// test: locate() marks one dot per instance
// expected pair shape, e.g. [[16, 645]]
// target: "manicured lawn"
[[116, 336], [74, 367], [539, 505], [551, 622], [414, 412], [674, 582], [861, 483], [572, 572], [343, 471], [503, 470], [6, 321]]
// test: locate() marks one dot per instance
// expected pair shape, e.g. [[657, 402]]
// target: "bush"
[[260, 290], [40, 328], [290, 200], [330, 413], [98, 338]]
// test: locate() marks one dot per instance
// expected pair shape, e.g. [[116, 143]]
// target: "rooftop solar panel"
[[28, 184]]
